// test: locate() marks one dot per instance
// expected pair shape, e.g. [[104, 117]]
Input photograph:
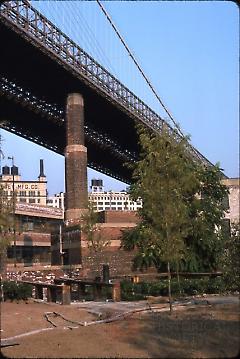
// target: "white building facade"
[[121, 201], [115, 201], [33, 192], [101, 200], [56, 201], [233, 214]]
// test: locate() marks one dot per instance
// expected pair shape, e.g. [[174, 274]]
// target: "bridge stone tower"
[[75, 160]]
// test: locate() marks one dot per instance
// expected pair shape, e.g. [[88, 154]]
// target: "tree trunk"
[[3, 264], [178, 279], [1, 289], [169, 287]]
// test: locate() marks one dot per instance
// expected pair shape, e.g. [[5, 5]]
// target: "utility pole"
[[61, 245], [110, 199], [1, 152], [14, 207]]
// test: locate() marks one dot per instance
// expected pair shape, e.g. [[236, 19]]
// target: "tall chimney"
[[41, 174], [75, 159], [14, 170]]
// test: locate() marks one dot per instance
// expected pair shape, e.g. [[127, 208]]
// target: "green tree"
[[165, 179], [6, 226], [231, 259], [93, 233], [205, 242]]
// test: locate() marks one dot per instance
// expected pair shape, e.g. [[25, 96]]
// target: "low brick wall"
[[119, 261], [91, 261], [118, 217], [33, 239]]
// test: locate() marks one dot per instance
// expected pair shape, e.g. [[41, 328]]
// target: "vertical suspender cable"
[[139, 68]]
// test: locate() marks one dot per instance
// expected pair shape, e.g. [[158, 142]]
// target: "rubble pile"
[[47, 276]]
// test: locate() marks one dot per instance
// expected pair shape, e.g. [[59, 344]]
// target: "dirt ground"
[[200, 331]]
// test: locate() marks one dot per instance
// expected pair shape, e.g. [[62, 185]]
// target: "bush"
[[137, 291], [16, 291], [131, 291], [217, 285], [231, 260]]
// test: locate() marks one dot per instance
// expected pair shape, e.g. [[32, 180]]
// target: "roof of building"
[[39, 211]]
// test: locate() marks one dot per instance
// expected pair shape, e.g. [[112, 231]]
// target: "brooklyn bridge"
[[53, 93], [40, 66]]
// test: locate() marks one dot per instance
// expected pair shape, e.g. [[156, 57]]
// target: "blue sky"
[[190, 52]]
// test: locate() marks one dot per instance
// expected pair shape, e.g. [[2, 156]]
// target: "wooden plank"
[[42, 284], [8, 343], [80, 281]]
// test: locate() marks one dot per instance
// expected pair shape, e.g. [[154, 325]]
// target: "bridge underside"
[[33, 93]]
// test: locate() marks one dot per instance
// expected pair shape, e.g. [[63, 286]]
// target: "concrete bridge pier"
[[75, 160]]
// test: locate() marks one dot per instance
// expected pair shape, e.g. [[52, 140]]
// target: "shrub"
[[217, 285], [131, 291], [16, 291], [137, 291]]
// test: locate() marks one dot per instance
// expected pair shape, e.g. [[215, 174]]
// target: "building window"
[[23, 200], [31, 200], [31, 193]]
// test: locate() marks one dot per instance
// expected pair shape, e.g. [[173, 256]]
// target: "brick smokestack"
[[75, 159], [41, 174]]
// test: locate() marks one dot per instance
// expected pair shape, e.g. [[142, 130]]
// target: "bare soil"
[[202, 331]]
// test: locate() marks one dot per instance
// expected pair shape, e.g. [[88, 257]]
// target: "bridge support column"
[[75, 160]]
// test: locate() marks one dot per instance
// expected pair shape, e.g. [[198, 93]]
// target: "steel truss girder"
[[54, 113], [91, 164]]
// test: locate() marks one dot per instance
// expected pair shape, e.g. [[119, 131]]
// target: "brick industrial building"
[[75, 250], [34, 192], [37, 215], [35, 245], [36, 219], [31, 239]]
